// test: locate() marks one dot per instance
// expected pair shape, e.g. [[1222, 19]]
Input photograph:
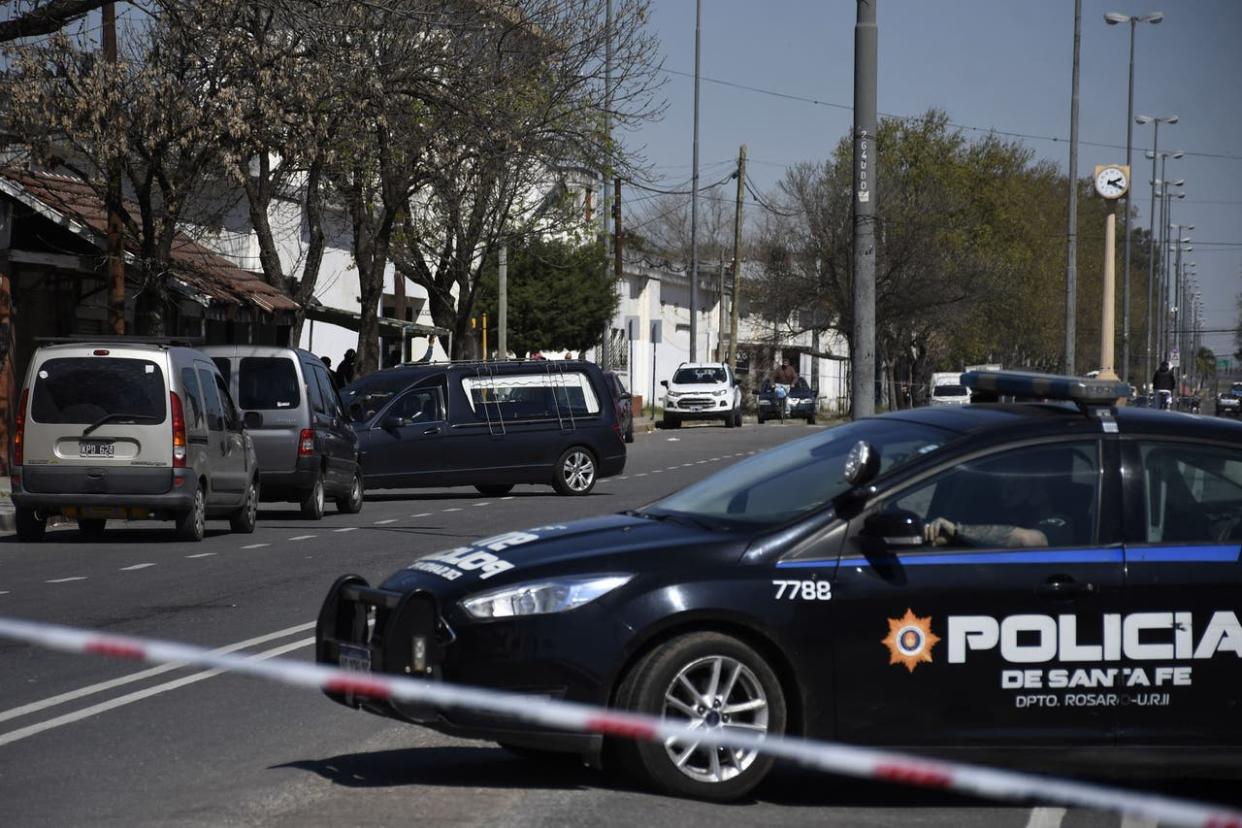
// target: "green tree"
[[560, 295]]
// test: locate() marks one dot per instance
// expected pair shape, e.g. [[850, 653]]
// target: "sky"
[[991, 64]]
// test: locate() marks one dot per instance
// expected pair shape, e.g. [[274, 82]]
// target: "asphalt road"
[[91, 741]]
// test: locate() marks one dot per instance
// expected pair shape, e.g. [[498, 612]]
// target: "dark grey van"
[[307, 448], [130, 428], [487, 425]]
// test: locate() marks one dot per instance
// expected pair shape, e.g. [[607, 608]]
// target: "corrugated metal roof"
[[74, 204]]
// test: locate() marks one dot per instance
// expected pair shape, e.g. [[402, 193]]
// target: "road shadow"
[[452, 767]]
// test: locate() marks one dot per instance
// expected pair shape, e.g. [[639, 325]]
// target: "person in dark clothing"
[[345, 371], [785, 374], [327, 362], [1163, 380]]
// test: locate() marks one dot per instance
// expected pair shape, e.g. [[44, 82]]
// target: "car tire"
[[192, 523], [92, 529], [498, 490], [671, 422], [244, 519], [629, 433], [313, 499], [575, 471], [30, 525], [761, 419], [737, 415], [351, 504], [810, 418], [654, 686], [730, 420]]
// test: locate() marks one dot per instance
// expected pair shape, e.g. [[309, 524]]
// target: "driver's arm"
[[942, 531]]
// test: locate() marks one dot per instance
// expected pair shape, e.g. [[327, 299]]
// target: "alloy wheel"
[[578, 471], [714, 693]]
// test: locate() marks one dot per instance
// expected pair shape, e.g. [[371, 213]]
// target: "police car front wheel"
[[711, 681]]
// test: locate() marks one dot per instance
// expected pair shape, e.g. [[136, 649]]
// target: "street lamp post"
[[1151, 238], [1173, 317], [1112, 19]]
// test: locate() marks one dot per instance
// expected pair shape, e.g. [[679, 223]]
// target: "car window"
[[84, 390], [267, 384], [530, 396], [1050, 492], [949, 391], [226, 403], [196, 417], [225, 365], [699, 376], [1191, 494], [211, 395], [797, 478], [327, 390], [419, 406], [364, 398]]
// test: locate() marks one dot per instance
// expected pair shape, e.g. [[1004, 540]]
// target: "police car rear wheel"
[[711, 681]]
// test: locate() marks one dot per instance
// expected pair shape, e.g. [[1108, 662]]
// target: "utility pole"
[[721, 353], [862, 358], [502, 301], [604, 356], [114, 245], [1125, 279], [694, 199], [1151, 252], [737, 259], [618, 270], [1071, 260]]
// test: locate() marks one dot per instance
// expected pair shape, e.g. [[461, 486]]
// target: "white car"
[[702, 391]]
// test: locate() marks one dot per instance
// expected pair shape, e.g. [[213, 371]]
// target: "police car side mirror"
[[862, 464], [894, 528]]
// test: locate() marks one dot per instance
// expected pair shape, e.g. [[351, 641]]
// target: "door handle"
[[435, 430], [1063, 586]]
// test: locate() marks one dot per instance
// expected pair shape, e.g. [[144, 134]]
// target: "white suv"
[[702, 391]]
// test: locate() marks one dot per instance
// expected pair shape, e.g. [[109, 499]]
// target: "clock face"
[[1111, 182]]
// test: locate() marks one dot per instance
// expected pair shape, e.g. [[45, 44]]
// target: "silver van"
[[307, 448], [130, 428]]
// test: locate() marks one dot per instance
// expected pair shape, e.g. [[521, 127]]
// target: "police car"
[[1055, 582]]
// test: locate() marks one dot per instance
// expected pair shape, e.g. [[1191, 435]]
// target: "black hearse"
[[489, 425]]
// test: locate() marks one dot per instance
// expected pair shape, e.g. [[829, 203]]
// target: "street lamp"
[[1155, 120], [1113, 19]]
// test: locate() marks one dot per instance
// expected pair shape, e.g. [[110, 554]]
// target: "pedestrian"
[[785, 374], [327, 362], [345, 371], [1163, 380]]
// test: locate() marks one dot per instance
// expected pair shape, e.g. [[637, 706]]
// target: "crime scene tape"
[[850, 760]]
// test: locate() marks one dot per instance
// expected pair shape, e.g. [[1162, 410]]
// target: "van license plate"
[[96, 448], [354, 658]]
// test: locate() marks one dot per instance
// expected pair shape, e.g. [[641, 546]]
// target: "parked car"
[[488, 425], [307, 447], [798, 402], [624, 402], [947, 389], [131, 428], [1229, 403], [702, 391]]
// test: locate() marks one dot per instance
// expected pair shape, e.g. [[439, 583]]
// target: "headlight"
[[673, 394], [720, 393], [557, 595]]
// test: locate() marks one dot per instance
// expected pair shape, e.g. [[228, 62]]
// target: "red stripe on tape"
[[116, 649], [358, 687], [921, 775], [618, 726], [1223, 822]]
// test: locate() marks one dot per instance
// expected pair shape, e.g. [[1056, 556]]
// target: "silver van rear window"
[[85, 390]]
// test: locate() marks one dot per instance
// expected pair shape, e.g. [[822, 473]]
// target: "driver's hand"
[[939, 531]]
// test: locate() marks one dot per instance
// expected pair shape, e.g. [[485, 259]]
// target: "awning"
[[387, 325]]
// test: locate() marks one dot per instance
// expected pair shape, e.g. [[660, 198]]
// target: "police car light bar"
[[1029, 385]]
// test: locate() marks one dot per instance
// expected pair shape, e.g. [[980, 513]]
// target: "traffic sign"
[[1222, 364]]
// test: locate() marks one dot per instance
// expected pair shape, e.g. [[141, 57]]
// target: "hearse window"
[[530, 396]]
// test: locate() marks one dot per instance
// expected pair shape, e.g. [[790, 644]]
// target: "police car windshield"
[[796, 479], [698, 376]]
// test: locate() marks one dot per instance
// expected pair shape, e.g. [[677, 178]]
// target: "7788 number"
[[803, 590]]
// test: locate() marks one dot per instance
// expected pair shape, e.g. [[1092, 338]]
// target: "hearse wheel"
[[575, 472], [711, 681]]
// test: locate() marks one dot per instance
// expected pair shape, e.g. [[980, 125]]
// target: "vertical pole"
[[1108, 312], [1125, 279], [604, 356], [737, 259], [866, 39], [650, 332], [502, 300], [8, 384], [485, 337], [1071, 260], [114, 245], [721, 353], [1175, 309], [617, 246], [694, 199], [1151, 253]]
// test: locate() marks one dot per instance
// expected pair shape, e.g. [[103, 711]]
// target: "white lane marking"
[[136, 566], [422, 514], [66, 580], [715, 459], [510, 497], [657, 471], [453, 509], [82, 692], [1045, 818], [674, 439], [484, 503], [4, 592], [302, 537], [346, 529], [1128, 821], [686, 465], [201, 555], [256, 545], [641, 474], [624, 477], [139, 695], [385, 522]]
